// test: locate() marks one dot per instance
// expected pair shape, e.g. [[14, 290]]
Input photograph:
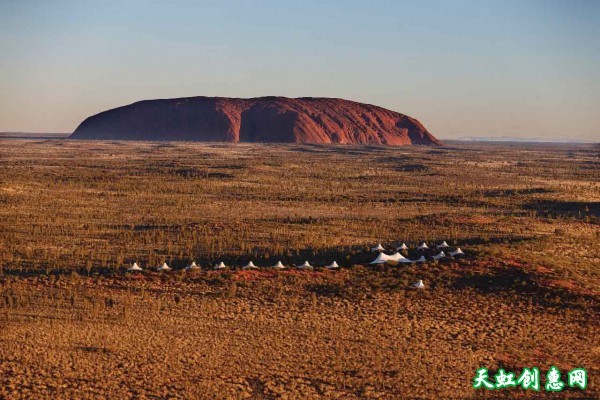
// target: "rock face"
[[263, 119]]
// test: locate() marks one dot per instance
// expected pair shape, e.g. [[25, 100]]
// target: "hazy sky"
[[464, 68]]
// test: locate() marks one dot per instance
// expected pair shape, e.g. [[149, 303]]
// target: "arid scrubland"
[[74, 215]]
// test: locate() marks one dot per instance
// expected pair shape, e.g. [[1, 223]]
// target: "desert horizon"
[[501, 139]]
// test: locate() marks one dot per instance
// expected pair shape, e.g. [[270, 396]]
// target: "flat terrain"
[[74, 215]]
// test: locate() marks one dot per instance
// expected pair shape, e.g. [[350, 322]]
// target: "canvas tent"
[[403, 246], [382, 258], [279, 265], [441, 254], [421, 260], [250, 265], [423, 246], [220, 265], [134, 267], [397, 257], [379, 247], [458, 252], [193, 265], [442, 245], [306, 265], [418, 284], [333, 265], [164, 267]]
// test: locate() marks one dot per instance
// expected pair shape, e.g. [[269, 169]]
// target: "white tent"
[[441, 254], [220, 265], [397, 257], [405, 260], [423, 246], [164, 267], [458, 252], [421, 260], [333, 265], [306, 265], [193, 265], [442, 245], [250, 265], [134, 267], [379, 247], [403, 246], [381, 259], [418, 284], [279, 265]]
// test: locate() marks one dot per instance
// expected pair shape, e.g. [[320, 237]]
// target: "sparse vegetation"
[[73, 215]]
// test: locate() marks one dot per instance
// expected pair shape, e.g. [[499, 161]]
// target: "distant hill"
[[520, 139], [262, 119], [33, 135]]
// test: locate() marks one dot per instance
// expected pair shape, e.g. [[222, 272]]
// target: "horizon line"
[[483, 139]]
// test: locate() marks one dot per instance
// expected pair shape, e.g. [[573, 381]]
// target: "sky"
[[522, 68]]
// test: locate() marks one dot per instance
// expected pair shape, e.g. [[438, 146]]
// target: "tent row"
[[403, 246], [193, 266], [334, 265], [382, 258]]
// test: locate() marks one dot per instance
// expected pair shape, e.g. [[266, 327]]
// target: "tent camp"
[[164, 267], [418, 284], [382, 258], [193, 265], [220, 265], [438, 256], [403, 246], [379, 247], [421, 260], [457, 252], [279, 265], [134, 267], [250, 265], [442, 245], [333, 265], [423, 246], [306, 265]]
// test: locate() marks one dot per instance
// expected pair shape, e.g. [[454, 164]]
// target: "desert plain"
[[75, 214]]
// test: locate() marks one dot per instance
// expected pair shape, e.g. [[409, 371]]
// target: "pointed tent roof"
[[279, 265], [423, 246], [403, 246], [397, 257], [441, 254], [458, 252], [333, 265], [306, 265], [418, 284], [220, 265], [193, 265], [442, 245], [164, 267], [381, 259], [250, 265], [379, 247], [405, 260], [421, 260], [134, 267]]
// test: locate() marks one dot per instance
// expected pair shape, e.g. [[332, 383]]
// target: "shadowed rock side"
[[263, 119]]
